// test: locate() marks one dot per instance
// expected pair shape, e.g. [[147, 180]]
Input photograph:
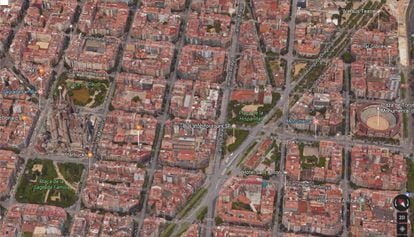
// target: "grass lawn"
[[276, 154], [218, 220], [298, 68], [84, 92], [81, 96], [271, 54], [307, 162], [240, 206], [274, 65], [35, 184], [3, 210], [237, 116], [276, 70], [240, 137], [272, 156], [72, 172]]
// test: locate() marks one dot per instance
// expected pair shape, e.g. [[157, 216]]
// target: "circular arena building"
[[373, 120]]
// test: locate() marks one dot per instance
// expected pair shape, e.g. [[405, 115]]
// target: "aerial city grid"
[[206, 118]]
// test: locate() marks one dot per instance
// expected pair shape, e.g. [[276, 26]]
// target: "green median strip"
[[403, 90], [241, 161], [169, 230], [195, 198], [184, 227], [405, 124], [201, 214]]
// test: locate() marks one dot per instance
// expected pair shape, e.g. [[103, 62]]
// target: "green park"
[[48, 182]]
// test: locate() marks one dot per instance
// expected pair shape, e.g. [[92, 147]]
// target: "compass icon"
[[401, 202]]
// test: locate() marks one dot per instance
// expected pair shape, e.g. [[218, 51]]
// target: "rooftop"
[[113, 186], [378, 168], [172, 188], [315, 210], [152, 58], [247, 200], [372, 213], [188, 143], [100, 18], [199, 62]]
